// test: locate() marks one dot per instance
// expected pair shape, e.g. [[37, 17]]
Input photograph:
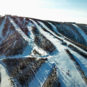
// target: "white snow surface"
[[41, 75], [5, 79], [2, 26], [64, 63], [19, 30], [54, 27], [80, 31], [68, 74], [82, 61]]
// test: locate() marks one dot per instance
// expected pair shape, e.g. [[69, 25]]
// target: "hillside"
[[39, 53]]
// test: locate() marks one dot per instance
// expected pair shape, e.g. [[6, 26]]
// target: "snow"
[[28, 50], [2, 26], [48, 36], [41, 51], [80, 31], [63, 37], [34, 46], [64, 63], [29, 47], [41, 75], [49, 29], [54, 27], [81, 60], [68, 74], [65, 66], [5, 79], [19, 30], [71, 31]]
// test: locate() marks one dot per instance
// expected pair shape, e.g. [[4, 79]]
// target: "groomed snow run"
[[41, 75]]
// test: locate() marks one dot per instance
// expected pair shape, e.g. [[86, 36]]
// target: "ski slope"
[[71, 66]]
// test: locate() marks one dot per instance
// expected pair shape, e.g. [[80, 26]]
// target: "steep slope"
[[25, 41]]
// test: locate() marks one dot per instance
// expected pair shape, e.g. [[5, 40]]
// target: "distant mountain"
[[39, 53]]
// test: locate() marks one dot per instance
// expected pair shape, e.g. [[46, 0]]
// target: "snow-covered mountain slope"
[[37, 53]]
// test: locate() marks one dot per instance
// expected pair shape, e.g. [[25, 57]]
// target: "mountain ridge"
[[60, 48]]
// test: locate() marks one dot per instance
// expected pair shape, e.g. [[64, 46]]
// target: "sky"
[[56, 10]]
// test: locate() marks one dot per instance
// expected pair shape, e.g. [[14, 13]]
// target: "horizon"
[[53, 10], [43, 19]]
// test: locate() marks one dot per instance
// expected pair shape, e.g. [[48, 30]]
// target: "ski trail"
[[81, 60], [41, 75], [49, 37], [49, 29], [19, 30], [32, 37], [63, 62], [71, 31], [63, 37], [77, 64], [2, 26], [80, 31], [5, 79], [54, 27], [29, 47], [67, 72]]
